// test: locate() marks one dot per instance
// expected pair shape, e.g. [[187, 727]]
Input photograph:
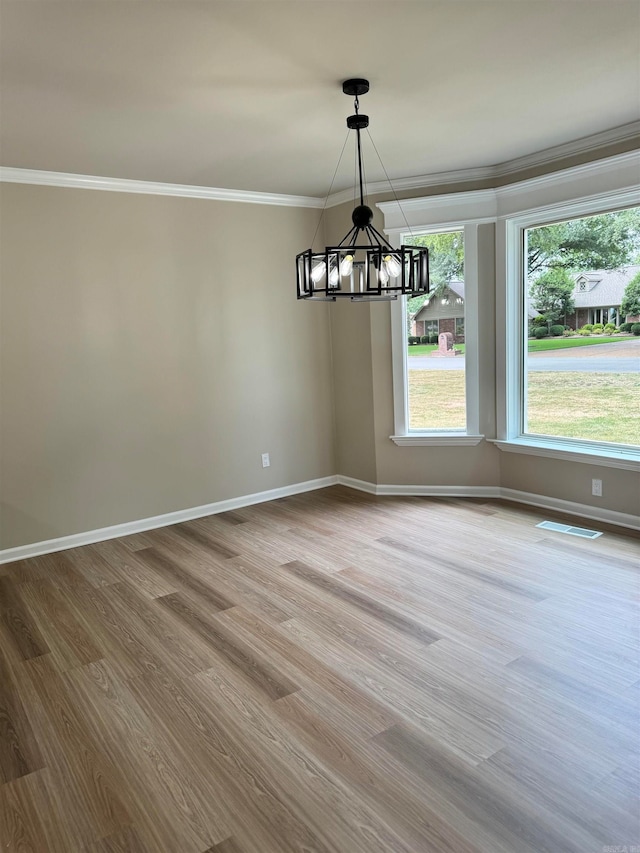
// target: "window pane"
[[582, 360], [435, 329]]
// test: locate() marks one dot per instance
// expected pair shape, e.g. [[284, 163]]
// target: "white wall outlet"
[[265, 460], [596, 488]]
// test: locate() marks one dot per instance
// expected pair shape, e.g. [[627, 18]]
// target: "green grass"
[[564, 343], [538, 346], [436, 399], [594, 406], [425, 349]]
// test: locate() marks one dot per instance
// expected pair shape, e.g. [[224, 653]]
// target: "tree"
[[552, 294], [446, 257], [631, 299], [446, 263], [606, 241]]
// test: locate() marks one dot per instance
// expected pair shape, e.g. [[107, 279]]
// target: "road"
[[600, 358]]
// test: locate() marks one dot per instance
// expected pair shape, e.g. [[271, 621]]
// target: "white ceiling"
[[247, 95]]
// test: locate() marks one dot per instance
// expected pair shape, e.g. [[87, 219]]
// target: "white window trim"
[[511, 387], [592, 187], [403, 436]]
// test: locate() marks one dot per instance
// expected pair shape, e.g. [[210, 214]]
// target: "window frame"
[[403, 435], [512, 391], [592, 187]]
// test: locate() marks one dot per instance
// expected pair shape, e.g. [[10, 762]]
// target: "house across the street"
[[598, 296], [442, 312]]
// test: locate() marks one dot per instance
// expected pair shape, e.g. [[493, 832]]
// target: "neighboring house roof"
[[453, 289], [602, 288], [457, 288]]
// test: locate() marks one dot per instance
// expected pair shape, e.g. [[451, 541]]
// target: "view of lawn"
[[596, 406], [563, 343], [538, 346], [425, 349], [436, 399]]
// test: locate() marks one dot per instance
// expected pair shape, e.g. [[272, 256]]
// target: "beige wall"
[[364, 390], [438, 466], [135, 377], [571, 481], [136, 382]]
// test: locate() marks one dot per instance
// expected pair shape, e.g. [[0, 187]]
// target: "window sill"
[[436, 439], [614, 458]]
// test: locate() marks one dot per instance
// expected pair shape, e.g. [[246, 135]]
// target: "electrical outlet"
[[265, 460], [596, 488]]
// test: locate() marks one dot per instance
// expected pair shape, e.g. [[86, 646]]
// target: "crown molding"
[[419, 182], [124, 185], [522, 197], [546, 158], [557, 153]]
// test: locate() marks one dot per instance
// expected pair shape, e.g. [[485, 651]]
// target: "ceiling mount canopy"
[[370, 271]]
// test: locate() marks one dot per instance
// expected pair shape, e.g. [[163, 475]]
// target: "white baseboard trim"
[[421, 491], [50, 546], [594, 513], [359, 485], [606, 516]]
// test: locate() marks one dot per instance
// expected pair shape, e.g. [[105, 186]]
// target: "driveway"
[[599, 358]]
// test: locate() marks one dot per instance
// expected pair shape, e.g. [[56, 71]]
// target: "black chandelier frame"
[[362, 272]]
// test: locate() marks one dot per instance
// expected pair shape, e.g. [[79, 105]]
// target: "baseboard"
[[359, 485], [50, 546], [594, 513], [606, 516], [421, 491]]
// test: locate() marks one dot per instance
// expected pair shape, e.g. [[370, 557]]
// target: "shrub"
[[626, 327], [631, 299], [413, 339], [610, 328], [424, 339], [433, 338], [588, 326], [542, 333], [584, 332], [598, 329], [540, 320], [635, 329], [568, 333], [557, 331]]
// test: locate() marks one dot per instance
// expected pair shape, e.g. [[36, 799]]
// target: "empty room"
[[319, 426]]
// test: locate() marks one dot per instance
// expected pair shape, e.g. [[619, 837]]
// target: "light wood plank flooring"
[[328, 672]]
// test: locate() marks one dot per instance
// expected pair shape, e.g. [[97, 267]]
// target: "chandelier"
[[364, 266]]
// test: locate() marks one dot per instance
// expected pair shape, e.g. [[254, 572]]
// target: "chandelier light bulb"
[[392, 266], [318, 272], [383, 275], [334, 278], [346, 265]]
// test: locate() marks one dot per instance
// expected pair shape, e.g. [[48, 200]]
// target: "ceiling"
[[247, 95]]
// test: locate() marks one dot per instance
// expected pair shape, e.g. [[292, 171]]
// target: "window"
[[436, 387], [580, 383], [436, 397], [430, 328]]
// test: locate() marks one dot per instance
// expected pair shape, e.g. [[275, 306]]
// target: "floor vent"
[[567, 528]]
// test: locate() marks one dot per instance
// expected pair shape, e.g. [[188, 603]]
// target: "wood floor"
[[328, 672]]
